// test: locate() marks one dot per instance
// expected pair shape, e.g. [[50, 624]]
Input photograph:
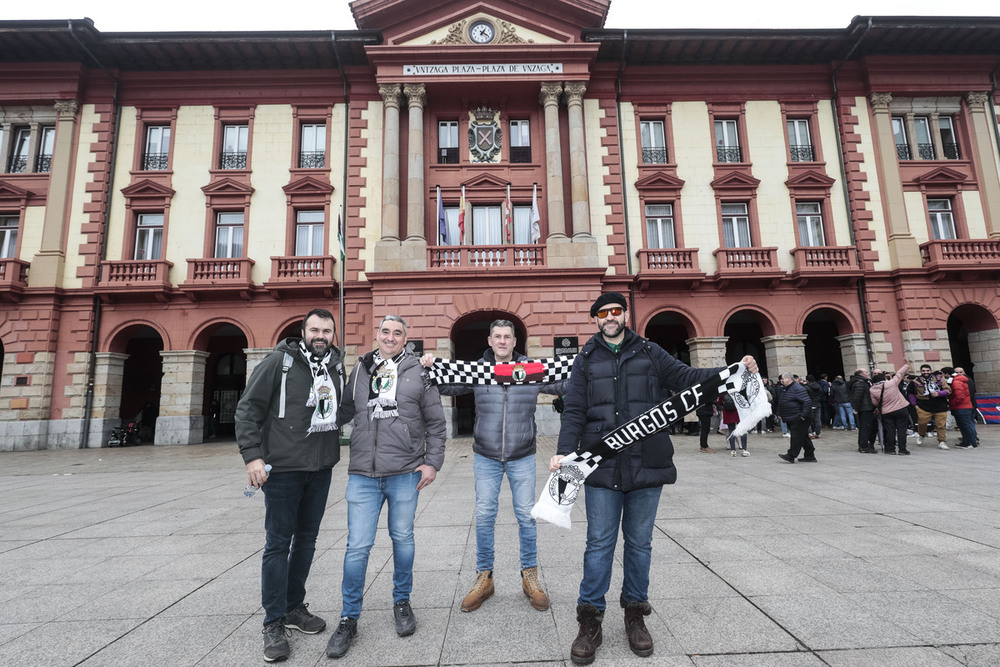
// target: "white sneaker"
[[745, 452], [786, 435], [732, 452], [941, 445], [920, 440]]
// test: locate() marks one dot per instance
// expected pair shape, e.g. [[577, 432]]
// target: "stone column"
[[983, 146], [255, 355], [182, 394], [853, 352], [109, 370], [984, 349], [903, 250], [416, 95], [579, 191], [708, 352], [935, 129], [549, 99], [48, 265], [390, 163], [785, 354]]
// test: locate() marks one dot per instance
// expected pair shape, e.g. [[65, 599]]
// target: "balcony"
[[802, 153], [486, 257], [135, 278], [222, 276], [670, 265], [13, 279], [828, 264], [962, 259], [755, 265], [302, 276], [654, 156], [312, 159]]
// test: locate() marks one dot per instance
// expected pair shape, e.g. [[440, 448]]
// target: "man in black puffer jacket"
[[795, 409], [861, 404], [617, 376]]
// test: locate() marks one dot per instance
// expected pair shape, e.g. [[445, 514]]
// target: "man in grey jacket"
[[397, 447], [287, 419], [504, 442]]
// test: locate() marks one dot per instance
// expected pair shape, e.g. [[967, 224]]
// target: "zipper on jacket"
[[503, 426]]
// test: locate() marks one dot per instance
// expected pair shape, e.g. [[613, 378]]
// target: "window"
[[660, 226], [899, 135], [149, 236], [312, 150], [520, 141], [43, 164], [654, 147], [922, 129], [448, 142], [451, 221], [735, 226], [799, 142], [942, 219], [229, 235], [727, 142], [19, 152], [949, 142], [234, 147], [810, 218], [522, 225], [488, 226], [925, 131], [157, 152], [8, 236], [309, 233]]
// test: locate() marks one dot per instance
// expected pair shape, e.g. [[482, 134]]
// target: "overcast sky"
[[214, 15]]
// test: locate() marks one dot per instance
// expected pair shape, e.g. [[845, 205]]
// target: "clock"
[[482, 32]]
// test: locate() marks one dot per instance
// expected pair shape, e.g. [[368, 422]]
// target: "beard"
[[611, 328], [318, 346]]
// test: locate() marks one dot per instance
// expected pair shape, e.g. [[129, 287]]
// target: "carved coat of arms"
[[485, 135]]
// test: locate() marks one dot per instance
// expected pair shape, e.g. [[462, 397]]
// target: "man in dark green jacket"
[[287, 419]]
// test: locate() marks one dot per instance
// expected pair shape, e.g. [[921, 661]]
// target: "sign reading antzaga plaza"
[[493, 68]]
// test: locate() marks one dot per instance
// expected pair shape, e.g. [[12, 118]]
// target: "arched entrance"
[[141, 377], [822, 349], [225, 378], [671, 332], [468, 337], [971, 329], [744, 332]]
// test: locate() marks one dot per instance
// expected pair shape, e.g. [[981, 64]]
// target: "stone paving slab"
[[151, 555]]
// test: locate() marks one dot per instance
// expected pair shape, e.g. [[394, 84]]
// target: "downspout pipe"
[[621, 162], [993, 111], [862, 292], [342, 220], [96, 319]]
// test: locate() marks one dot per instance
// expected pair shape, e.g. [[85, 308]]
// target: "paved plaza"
[[151, 556]]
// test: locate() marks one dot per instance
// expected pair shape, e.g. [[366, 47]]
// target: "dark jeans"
[[866, 428], [817, 422], [295, 503], [894, 429], [705, 422], [798, 431], [967, 424]]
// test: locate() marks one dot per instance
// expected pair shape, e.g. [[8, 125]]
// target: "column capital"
[[67, 108], [416, 94], [390, 94], [574, 91], [880, 101], [976, 100], [550, 93]]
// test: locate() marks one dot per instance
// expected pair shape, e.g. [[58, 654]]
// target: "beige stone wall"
[[76, 388], [785, 354], [32, 401], [984, 347]]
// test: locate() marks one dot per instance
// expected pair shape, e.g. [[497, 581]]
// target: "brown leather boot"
[[533, 589], [589, 638], [639, 639], [481, 591]]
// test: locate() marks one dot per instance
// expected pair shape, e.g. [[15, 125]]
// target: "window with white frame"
[[488, 225], [660, 226], [899, 136], [922, 130], [799, 141], [157, 153], [810, 219], [727, 141], [942, 219], [235, 140], [451, 224], [949, 140], [654, 145], [312, 146], [735, 226], [18, 163], [448, 142], [309, 233], [520, 141], [229, 235], [149, 236], [46, 146], [8, 236]]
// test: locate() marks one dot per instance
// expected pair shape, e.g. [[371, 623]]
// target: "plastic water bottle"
[[250, 489]]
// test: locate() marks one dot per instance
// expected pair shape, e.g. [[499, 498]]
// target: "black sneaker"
[[904, 452], [341, 638], [786, 458], [275, 642], [406, 623], [302, 620], [811, 459]]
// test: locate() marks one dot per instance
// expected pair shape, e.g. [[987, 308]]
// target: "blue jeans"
[[489, 477], [636, 512], [845, 416], [967, 425], [294, 506], [365, 497]]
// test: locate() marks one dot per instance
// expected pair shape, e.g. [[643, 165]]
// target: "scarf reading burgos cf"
[[556, 501]]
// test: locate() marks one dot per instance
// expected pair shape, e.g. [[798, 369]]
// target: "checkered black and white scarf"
[[448, 371], [556, 501]]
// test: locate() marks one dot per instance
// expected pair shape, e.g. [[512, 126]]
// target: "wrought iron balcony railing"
[[520, 154], [729, 154], [950, 151], [925, 151], [654, 156], [802, 153], [17, 165], [155, 161], [312, 159], [233, 161], [447, 156], [903, 152], [43, 164]]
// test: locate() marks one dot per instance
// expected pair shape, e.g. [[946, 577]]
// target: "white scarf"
[[322, 397], [382, 387]]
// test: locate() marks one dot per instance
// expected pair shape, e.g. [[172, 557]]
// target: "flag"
[[442, 222], [461, 219], [507, 216], [536, 219], [340, 236]]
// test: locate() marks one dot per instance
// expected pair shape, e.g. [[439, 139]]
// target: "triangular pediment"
[[147, 188], [659, 181], [735, 180], [12, 193], [942, 176], [810, 179], [485, 181], [308, 186], [227, 186]]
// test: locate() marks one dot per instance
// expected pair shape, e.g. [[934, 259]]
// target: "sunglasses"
[[603, 312]]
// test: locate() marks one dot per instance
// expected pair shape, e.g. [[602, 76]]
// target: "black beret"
[[605, 299]]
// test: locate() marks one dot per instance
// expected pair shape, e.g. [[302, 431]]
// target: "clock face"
[[482, 32]]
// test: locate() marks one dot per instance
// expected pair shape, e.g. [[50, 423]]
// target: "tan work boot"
[[533, 589], [481, 591]]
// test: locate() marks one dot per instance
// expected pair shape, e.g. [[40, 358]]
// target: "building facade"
[[171, 204]]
